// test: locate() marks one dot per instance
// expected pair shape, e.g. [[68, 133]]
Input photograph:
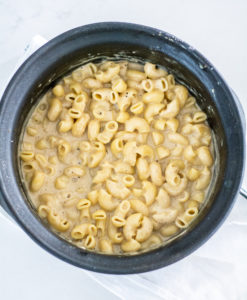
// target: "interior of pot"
[[134, 53]]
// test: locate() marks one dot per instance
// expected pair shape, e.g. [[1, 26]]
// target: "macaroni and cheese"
[[117, 157]]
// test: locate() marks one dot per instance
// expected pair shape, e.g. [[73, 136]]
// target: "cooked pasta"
[[117, 160]]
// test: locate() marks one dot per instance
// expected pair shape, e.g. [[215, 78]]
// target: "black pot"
[[122, 40]]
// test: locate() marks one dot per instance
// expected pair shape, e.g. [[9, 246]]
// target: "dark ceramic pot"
[[123, 40]]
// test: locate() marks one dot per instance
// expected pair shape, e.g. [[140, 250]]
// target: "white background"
[[218, 29]]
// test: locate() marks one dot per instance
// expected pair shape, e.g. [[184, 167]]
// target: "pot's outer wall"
[[67, 51]]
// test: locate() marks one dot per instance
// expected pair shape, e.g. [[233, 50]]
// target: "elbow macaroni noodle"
[[117, 157]]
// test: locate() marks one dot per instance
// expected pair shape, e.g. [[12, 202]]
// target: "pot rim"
[[115, 264]]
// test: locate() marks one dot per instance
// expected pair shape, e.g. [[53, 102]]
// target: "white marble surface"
[[218, 29]]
